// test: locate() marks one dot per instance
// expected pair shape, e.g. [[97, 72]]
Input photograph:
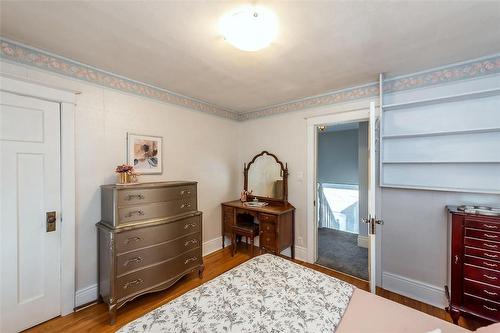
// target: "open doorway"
[[342, 197]]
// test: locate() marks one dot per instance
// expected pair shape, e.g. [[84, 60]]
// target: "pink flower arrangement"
[[124, 168]]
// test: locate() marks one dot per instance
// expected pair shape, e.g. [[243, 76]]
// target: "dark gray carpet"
[[339, 250]]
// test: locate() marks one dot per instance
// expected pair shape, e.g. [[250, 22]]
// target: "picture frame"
[[145, 153]]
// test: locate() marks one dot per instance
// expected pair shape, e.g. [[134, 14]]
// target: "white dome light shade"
[[249, 28]]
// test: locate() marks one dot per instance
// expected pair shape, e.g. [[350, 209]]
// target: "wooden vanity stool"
[[248, 229]]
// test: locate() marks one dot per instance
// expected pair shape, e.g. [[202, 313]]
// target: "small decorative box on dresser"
[[149, 237], [474, 262]]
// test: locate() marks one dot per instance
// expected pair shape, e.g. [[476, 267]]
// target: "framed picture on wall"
[[145, 153]]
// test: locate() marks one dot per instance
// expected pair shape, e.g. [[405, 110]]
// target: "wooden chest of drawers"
[[150, 236], [474, 266]]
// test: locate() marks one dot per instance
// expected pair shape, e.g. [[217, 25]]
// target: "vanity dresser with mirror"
[[267, 206]]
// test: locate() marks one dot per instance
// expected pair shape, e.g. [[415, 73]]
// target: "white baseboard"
[[212, 245], [86, 295], [300, 253], [363, 241], [420, 291]]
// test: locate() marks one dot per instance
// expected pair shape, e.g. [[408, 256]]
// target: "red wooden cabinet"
[[474, 266]]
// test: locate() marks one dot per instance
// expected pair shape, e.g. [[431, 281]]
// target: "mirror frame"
[[284, 170]]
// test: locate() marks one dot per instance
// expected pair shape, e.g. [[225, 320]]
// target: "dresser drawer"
[[484, 275], [128, 197], [228, 215], [482, 306], [129, 214], [142, 237], [482, 290], [486, 263], [266, 217], [267, 227], [492, 255], [149, 277], [483, 234], [154, 254], [482, 244], [482, 223]]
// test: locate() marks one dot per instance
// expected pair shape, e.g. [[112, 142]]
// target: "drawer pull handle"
[[138, 196], [133, 283], [135, 212], [490, 255], [489, 264], [490, 292], [489, 226], [456, 259], [490, 245], [192, 241], [186, 205], [488, 308], [490, 236], [133, 239], [136, 260], [490, 277], [187, 261], [185, 192], [189, 225]]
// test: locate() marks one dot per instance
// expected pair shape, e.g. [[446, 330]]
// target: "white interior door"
[[372, 219], [30, 187]]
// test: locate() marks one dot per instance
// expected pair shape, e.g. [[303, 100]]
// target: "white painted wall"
[[197, 147]]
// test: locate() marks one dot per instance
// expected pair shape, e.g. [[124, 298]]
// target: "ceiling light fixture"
[[249, 28]]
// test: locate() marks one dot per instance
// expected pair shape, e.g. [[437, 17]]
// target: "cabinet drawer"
[[268, 240], [128, 197], [492, 255], [482, 244], [482, 306], [266, 217], [228, 215], [482, 262], [160, 210], [483, 234], [151, 255], [482, 224], [482, 275], [149, 277], [267, 227], [482, 290], [142, 237]]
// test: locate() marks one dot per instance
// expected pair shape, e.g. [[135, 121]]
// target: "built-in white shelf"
[[417, 135], [436, 144], [441, 162], [437, 188], [443, 99]]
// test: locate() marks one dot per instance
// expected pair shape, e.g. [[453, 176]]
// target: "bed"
[[272, 294]]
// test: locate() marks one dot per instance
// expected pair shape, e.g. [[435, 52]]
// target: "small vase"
[[122, 178]]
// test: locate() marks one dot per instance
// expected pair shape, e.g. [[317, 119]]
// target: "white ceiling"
[[322, 46]]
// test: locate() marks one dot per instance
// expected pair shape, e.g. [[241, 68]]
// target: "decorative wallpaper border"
[[467, 70], [60, 65], [26, 55]]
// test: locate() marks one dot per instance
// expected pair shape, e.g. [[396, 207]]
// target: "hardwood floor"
[[94, 318]]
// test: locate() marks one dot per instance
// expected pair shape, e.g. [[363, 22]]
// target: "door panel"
[[30, 178]]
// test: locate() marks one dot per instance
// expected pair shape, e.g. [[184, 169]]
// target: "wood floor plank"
[[94, 318]]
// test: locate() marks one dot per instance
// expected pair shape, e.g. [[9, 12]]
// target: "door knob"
[[51, 221]]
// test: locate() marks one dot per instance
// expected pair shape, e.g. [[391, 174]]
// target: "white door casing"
[[22, 89], [30, 174], [351, 113]]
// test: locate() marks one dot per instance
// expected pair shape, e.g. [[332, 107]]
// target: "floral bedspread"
[[264, 294]]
